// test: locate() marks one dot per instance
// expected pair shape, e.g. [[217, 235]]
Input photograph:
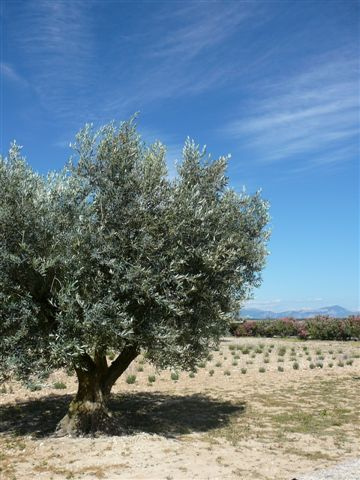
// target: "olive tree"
[[112, 255]]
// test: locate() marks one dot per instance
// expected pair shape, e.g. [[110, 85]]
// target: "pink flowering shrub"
[[325, 328], [303, 332], [319, 328]]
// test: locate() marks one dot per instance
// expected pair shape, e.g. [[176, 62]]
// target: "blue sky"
[[274, 83]]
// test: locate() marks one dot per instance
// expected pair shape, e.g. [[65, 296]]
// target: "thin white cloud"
[[59, 44], [183, 54], [7, 71], [65, 144], [263, 303], [55, 42], [279, 305], [311, 114], [201, 27], [179, 50]]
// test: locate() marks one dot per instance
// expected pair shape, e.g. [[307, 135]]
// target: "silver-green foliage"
[[111, 252]]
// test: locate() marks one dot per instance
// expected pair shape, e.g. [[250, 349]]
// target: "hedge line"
[[317, 328]]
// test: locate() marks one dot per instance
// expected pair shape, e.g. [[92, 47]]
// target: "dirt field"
[[239, 417]]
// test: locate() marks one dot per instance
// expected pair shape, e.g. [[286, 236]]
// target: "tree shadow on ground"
[[163, 414]]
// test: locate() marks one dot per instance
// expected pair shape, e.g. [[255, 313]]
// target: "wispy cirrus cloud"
[[177, 51], [200, 27], [278, 305], [8, 72], [184, 53], [55, 43], [313, 115], [263, 303]]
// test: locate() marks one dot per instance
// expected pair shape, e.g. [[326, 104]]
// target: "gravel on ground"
[[349, 470]]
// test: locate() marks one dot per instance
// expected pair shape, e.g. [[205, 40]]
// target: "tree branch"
[[85, 362], [101, 363], [120, 364]]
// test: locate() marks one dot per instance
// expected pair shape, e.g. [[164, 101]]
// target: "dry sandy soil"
[[224, 423]]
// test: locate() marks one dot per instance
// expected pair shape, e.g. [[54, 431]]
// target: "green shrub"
[[340, 363], [33, 386], [151, 378], [312, 366], [174, 376], [59, 385], [191, 374], [218, 364], [280, 368], [131, 379], [211, 372], [262, 370], [243, 371], [227, 372], [295, 366], [330, 364], [140, 368]]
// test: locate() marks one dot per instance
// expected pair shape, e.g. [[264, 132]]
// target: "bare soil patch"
[[240, 416]]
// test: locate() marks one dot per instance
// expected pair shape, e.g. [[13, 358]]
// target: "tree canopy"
[[111, 254]]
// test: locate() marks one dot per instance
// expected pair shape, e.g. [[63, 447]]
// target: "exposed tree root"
[[88, 418]]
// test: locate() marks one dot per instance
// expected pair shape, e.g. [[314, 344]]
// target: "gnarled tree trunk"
[[88, 412]]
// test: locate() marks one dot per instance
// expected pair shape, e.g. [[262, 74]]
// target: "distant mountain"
[[334, 311]]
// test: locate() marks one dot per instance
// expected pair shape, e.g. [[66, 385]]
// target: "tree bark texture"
[[88, 412]]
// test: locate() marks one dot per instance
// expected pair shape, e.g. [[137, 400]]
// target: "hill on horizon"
[[334, 311]]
